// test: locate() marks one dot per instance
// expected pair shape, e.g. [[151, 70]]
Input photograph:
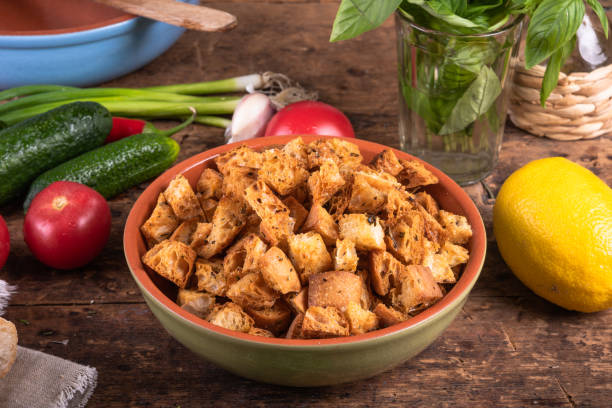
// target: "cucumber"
[[2, 125], [42, 142], [114, 167]]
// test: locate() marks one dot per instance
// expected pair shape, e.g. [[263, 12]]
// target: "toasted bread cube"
[[295, 328], [387, 161], [210, 277], [345, 154], [388, 316], [298, 301], [454, 254], [255, 250], [324, 322], [237, 180], [182, 199], [208, 205], [209, 184], [427, 202], [384, 269], [276, 318], [456, 226], [406, 236], [325, 182], [252, 224], [197, 303], [360, 320], [173, 260], [335, 288], [184, 232], [415, 175], [229, 218], [233, 263], [309, 254], [302, 195], [339, 202], [200, 235], [252, 292], [241, 156], [365, 231], [278, 272], [296, 211], [256, 331], [367, 297], [415, 289], [231, 316], [277, 225], [282, 172], [297, 149], [433, 230], [321, 222], [439, 267], [399, 202], [345, 256], [364, 197], [160, 224]]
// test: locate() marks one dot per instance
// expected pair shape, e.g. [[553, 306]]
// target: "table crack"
[[508, 338], [568, 396]]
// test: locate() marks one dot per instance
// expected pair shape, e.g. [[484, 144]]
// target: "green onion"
[[31, 90], [237, 84], [213, 121]]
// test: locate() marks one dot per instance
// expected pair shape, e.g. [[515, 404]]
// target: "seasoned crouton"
[[231, 316], [325, 182], [335, 288], [365, 231], [256, 331], [277, 224], [184, 232], [210, 277], [387, 316], [387, 161], [384, 269], [364, 197], [433, 230], [282, 172], [182, 199], [200, 235], [276, 318], [309, 254], [415, 289], [297, 149], [209, 205], [237, 180], [345, 256], [320, 221], [255, 249], [298, 301], [302, 195], [398, 203], [198, 303], [360, 320], [339, 202], [439, 267], [456, 226], [454, 254], [229, 218], [241, 156], [296, 211], [415, 175], [173, 260], [252, 224], [427, 202], [160, 224], [345, 154], [209, 184], [405, 237], [233, 263], [295, 328], [252, 292], [324, 322], [367, 297], [278, 271]]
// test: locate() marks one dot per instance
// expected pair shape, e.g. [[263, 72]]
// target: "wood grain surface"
[[507, 348]]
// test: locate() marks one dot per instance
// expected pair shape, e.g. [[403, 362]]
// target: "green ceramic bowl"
[[301, 363]]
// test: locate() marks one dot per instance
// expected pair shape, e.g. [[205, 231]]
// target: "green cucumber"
[[2, 125], [114, 167], [42, 142]]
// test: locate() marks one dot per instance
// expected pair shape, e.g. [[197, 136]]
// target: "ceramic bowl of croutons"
[[305, 261]]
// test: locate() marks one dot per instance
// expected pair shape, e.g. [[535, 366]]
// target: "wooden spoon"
[[177, 13]]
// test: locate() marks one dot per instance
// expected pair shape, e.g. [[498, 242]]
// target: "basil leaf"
[[355, 17], [476, 101], [601, 13], [553, 24], [440, 10], [551, 76]]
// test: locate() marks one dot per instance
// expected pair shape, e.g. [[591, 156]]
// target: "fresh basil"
[[475, 102], [551, 76], [601, 13], [355, 17]]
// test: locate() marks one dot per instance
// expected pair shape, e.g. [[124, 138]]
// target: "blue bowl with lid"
[[75, 42]]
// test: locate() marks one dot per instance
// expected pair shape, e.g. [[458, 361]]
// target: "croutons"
[[345, 256], [237, 180], [282, 172], [160, 224], [309, 254], [387, 161], [365, 231], [384, 269], [278, 272], [208, 205], [324, 322], [335, 288], [183, 200], [200, 235], [198, 303], [231, 316], [456, 226], [360, 320], [414, 175], [276, 318], [387, 316], [415, 289], [296, 211], [276, 223], [230, 216], [344, 154], [297, 149], [184, 232], [209, 184], [298, 301], [210, 277], [405, 237], [321, 222], [241, 156], [256, 331], [252, 292], [427, 202], [325, 182], [295, 328], [173, 260], [364, 197]]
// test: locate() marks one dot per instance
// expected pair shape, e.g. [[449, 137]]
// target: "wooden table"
[[507, 348]]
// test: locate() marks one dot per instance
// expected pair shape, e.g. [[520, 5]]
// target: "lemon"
[[553, 225]]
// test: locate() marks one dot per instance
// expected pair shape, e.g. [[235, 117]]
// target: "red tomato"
[[310, 117], [67, 225], [5, 242]]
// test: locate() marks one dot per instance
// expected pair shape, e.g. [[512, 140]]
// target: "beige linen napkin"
[[39, 380]]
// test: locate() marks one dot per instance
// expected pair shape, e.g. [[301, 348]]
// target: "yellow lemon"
[[553, 225]]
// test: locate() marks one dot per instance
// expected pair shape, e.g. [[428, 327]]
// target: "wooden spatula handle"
[[177, 13]]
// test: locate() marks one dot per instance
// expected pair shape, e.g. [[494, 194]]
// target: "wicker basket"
[[580, 107]]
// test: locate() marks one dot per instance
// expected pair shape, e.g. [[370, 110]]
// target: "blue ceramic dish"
[[84, 58]]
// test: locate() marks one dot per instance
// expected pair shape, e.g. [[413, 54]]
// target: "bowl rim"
[[455, 295], [68, 30]]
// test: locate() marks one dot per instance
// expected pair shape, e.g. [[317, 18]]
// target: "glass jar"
[[454, 96]]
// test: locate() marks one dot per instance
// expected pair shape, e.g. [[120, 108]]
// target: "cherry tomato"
[[310, 117], [67, 225], [5, 242]]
